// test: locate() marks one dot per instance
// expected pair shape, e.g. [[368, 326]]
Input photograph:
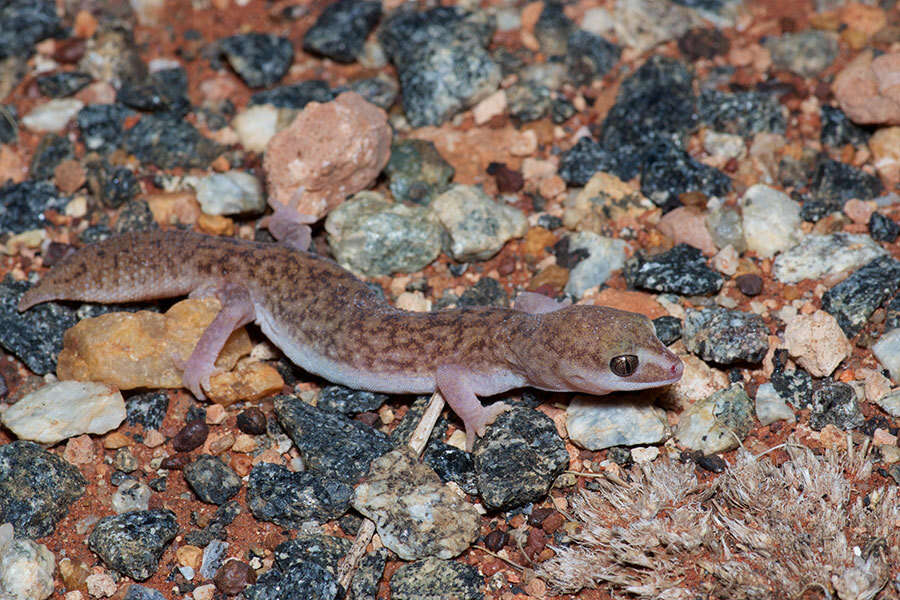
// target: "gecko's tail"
[[125, 268]]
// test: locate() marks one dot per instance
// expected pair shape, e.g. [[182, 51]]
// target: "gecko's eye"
[[624, 365]]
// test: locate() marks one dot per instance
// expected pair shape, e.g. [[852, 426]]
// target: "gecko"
[[331, 324]]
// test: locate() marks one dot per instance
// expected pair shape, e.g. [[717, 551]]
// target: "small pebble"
[[252, 421], [191, 436], [750, 284], [233, 577]]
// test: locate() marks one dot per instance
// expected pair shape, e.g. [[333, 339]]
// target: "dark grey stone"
[[487, 291], [340, 31], [26, 22], [296, 95], [330, 442], [590, 56], [838, 130], [168, 142], [668, 171], [681, 270], [518, 459], [162, 91], [9, 127], [292, 498], [578, 164], [51, 150], [417, 172], [135, 216], [22, 205], [835, 182], [327, 551], [561, 110], [441, 60], [883, 229], [36, 488], [657, 98], [133, 542], [211, 479], [435, 579], [339, 399], [35, 336], [668, 329], [260, 59], [307, 580], [382, 91], [742, 113], [63, 83], [853, 300], [553, 28], [726, 336], [112, 186], [139, 592], [451, 464], [795, 387], [528, 101], [835, 403], [102, 126]]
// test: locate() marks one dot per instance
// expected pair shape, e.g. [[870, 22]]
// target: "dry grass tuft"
[[759, 531]]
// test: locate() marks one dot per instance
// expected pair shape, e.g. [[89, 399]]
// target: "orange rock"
[[11, 164], [537, 240], [550, 281], [171, 208], [868, 20], [218, 444], [220, 164], [143, 349], [639, 302], [242, 464], [85, 25], [189, 556], [885, 146], [116, 440], [248, 382], [68, 176], [331, 150], [215, 224], [868, 89]]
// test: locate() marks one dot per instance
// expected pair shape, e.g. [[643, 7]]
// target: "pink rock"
[[869, 90], [687, 225], [859, 211], [329, 152]]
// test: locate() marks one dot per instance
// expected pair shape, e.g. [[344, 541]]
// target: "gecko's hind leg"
[[456, 390], [237, 311]]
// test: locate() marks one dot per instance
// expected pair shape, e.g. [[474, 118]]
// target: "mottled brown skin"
[[331, 323]]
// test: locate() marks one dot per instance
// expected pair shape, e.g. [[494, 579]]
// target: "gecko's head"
[[596, 350]]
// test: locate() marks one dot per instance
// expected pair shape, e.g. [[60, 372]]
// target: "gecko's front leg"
[[452, 382], [237, 311]]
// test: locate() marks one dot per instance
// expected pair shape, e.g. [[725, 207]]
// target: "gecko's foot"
[[196, 376], [477, 424], [288, 226]]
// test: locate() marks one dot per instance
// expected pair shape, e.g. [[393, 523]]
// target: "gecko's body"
[[332, 324]]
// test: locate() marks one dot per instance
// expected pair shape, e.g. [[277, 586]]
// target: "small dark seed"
[[495, 540], [252, 421], [191, 436], [750, 284], [233, 577]]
